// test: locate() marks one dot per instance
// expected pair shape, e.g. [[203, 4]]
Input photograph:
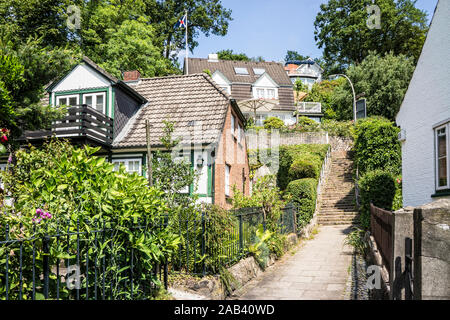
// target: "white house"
[[261, 89], [424, 118], [308, 71]]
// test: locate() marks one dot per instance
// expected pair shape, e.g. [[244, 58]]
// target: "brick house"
[[111, 113]]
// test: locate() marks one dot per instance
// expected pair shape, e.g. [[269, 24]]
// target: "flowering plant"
[[3, 139]]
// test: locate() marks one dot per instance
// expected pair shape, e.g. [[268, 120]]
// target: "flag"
[[182, 22]]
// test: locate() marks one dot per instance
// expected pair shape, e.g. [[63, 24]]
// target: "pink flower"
[[3, 139]]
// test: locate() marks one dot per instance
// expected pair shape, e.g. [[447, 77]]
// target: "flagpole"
[[187, 48]]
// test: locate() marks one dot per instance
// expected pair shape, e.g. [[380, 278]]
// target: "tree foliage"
[[341, 30], [26, 68], [230, 55]]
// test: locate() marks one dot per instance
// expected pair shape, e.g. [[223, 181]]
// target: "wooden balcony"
[[82, 124]]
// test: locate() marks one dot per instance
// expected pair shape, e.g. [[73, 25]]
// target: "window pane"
[[88, 101], [99, 105], [62, 101], [73, 101], [443, 172], [442, 146]]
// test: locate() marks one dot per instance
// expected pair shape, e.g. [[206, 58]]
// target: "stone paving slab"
[[318, 271]]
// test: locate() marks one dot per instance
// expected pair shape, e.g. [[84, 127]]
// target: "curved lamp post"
[[353, 91]]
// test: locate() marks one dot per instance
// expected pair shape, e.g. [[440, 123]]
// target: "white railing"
[[323, 173], [310, 107]]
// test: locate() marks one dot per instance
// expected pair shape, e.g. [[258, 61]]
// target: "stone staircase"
[[337, 203]]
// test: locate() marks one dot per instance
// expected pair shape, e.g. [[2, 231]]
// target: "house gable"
[[82, 77], [265, 81]]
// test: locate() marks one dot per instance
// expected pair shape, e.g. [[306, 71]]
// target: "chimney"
[[213, 57], [129, 76]]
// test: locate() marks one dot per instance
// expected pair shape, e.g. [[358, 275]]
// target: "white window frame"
[[94, 96], [227, 179], [258, 90], [233, 125], [436, 155], [68, 97], [126, 162], [239, 137]]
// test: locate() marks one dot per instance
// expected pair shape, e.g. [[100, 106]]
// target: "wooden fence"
[[382, 229]]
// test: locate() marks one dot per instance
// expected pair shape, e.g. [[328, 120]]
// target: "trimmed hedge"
[[290, 154], [273, 123], [377, 146], [304, 194], [383, 189], [308, 166]]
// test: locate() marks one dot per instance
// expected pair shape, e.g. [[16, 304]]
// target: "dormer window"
[[241, 71], [96, 101], [71, 100], [258, 71]]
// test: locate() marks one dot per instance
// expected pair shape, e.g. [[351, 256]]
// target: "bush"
[[308, 166], [273, 123], [377, 146], [344, 129], [306, 124], [303, 193], [382, 189], [289, 154]]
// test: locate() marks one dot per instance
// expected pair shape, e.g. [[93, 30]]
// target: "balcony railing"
[[81, 122], [309, 107]]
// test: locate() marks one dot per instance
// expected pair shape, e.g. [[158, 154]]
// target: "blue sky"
[[270, 27]]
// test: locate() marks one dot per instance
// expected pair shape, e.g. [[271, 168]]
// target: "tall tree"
[[342, 31], [45, 19], [131, 47], [230, 55], [292, 55], [204, 16], [383, 79], [26, 68]]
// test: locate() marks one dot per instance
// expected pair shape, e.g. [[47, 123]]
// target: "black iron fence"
[[204, 248], [78, 260], [101, 260]]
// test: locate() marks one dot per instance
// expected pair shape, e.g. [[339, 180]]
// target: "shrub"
[[344, 129], [273, 123], [308, 166], [288, 154], [377, 146], [303, 193], [380, 188], [306, 124]]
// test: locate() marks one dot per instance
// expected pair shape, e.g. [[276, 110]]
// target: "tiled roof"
[[274, 70], [185, 100]]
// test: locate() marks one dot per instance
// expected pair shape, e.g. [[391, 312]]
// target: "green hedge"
[[377, 146], [304, 194], [290, 154], [308, 166], [383, 189], [273, 123]]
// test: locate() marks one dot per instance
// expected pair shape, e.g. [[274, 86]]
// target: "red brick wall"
[[234, 154]]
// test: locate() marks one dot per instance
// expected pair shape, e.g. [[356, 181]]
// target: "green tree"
[[26, 68], [383, 79], [204, 16], [45, 19], [341, 30], [230, 55], [324, 92], [292, 55], [131, 47]]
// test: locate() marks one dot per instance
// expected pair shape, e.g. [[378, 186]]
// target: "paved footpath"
[[318, 271]]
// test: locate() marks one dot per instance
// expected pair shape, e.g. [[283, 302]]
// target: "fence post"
[[203, 242], [45, 264], [166, 262], [241, 237]]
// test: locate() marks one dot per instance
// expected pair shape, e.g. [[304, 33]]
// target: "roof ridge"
[[173, 76]]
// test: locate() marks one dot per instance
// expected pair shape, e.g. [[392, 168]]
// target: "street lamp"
[[353, 91]]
